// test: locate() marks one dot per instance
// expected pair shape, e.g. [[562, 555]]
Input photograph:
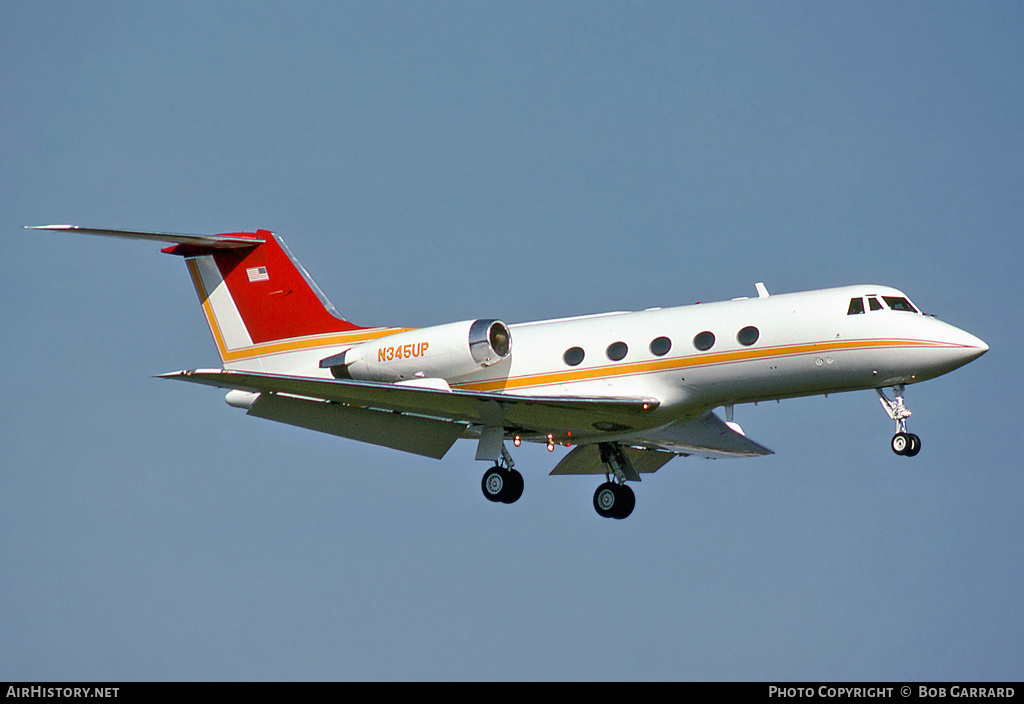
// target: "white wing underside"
[[708, 437], [428, 421]]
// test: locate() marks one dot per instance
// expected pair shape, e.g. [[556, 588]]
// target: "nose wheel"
[[906, 444], [903, 443]]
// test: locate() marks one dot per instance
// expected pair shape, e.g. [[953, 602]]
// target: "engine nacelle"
[[439, 352]]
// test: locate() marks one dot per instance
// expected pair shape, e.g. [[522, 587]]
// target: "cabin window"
[[873, 304], [660, 346], [856, 306], [616, 351], [898, 303], [748, 335], [704, 340], [573, 356]]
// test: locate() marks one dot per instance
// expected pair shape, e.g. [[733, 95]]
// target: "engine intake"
[[441, 352]]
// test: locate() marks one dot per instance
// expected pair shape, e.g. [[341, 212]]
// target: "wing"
[[380, 413], [586, 459], [708, 436]]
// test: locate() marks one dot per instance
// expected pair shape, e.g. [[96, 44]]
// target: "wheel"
[[613, 500], [627, 500], [494, 483], [513, 487], [901, 443], [914, 447], [605, 499]]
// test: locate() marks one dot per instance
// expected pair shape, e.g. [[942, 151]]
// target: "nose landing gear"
[[903, 443]]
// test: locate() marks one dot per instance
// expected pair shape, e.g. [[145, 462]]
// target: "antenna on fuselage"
[[762, 292]]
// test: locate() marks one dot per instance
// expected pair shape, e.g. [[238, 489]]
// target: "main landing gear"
[[614, 499], [903, 443], [501, 483]]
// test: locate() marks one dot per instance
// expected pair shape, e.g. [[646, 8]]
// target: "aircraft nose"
[[966, 346], [974, 346], [947, 348]]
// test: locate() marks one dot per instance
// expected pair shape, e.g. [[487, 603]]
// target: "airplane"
[[626, 391]]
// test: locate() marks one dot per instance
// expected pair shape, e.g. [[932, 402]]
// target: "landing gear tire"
[[915, 445], [502, 485], [494, 482], [613, 500], [513, 488], [900, 443], [906, 444]]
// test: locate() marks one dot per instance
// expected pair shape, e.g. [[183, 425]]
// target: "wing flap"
[[422, 436]]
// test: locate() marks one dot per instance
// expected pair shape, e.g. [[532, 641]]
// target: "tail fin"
[[254, 294]]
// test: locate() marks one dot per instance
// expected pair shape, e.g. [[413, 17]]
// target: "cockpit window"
[[898, 303], [856, 306], [873, 303]]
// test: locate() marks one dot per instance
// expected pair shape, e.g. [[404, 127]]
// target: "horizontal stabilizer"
[[202, 241]]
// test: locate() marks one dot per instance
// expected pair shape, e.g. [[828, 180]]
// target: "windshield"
[[899, 303]]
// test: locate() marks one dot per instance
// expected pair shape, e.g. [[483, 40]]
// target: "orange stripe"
[[303, 343], [288, 345], [706, 360], [543, 379], [204, 298]]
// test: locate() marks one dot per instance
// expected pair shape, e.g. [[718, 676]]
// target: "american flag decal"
[[258, 273]]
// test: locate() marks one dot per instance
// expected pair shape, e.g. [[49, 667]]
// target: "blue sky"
[[441, 161]]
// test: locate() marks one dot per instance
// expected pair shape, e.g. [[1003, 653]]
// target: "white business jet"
[[627, 391]]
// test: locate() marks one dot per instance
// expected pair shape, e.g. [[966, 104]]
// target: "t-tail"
[[263, 309]]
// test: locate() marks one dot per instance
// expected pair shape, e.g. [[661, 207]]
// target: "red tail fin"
[[258, 295], [255, 295]]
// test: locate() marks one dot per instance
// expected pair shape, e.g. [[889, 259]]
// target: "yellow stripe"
[[679, 363], [312, 342], [204, 298], [543, 379], [289, 345]]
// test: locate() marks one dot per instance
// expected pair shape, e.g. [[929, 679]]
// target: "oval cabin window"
[[704, 341], [748, 335], [573, 356], [660, 346], [616, 351]]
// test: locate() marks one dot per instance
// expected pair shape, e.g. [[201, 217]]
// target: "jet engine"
[[439, 352]]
